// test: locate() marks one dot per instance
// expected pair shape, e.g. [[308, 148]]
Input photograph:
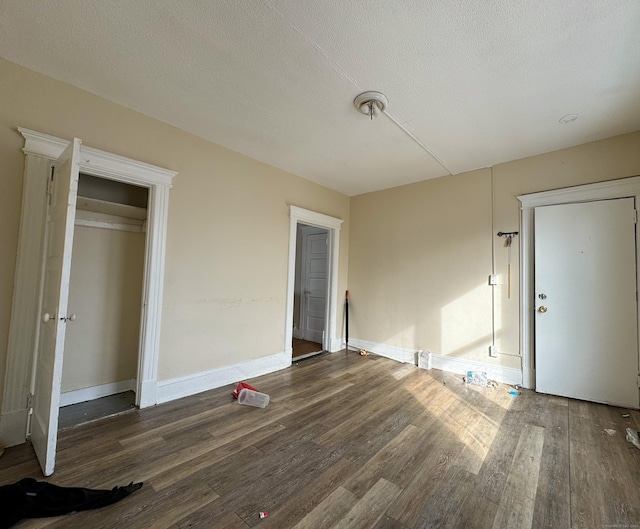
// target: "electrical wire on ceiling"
[[374, 103]]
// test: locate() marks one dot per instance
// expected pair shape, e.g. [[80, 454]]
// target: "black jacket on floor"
[[29, 498]]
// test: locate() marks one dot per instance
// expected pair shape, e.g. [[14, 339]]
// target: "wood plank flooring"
[[354, 442]]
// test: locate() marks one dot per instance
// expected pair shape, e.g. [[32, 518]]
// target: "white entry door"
[[61, 216], [586, 310], [314, 285]]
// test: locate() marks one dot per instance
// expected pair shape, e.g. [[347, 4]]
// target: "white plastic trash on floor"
[[633, 438], [424, 359], [477, 378], [249, 397]]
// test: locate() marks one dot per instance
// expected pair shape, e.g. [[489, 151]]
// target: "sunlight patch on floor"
[[474, 421]]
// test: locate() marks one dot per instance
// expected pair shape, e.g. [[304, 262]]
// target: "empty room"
[[409, 227]]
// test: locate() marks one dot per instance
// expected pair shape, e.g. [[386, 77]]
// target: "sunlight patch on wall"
[[466, 322]]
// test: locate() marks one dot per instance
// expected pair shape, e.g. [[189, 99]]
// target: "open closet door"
[[60, 220]]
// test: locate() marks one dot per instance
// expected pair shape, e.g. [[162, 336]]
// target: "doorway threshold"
[[93, 410], [307, 355]]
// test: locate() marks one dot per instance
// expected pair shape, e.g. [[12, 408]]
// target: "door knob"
[[46, 317], [71, 317], [542, 309]]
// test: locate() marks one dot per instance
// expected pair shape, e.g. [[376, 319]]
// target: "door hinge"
[[30, 401]]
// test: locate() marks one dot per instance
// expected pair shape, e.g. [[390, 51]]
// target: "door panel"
[[61, 215], [586, 310], [314, 298]]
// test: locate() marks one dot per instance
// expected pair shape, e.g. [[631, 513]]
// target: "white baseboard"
[[336, 344], [400, 354], [190, 385], [95, 392], [13, 427], [505, 375], [148, 394]]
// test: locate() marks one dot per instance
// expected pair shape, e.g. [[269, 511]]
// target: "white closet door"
[[61, 215]]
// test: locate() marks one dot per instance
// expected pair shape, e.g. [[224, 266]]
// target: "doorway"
[[311, 290], [332, 226], [99, 372]]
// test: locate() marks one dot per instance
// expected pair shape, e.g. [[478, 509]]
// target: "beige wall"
[[227, 243], [101, 346], [419, 258], [421, 254]]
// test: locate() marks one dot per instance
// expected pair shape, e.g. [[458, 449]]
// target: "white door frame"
[[625, 187], [40, 152], [333, 225]]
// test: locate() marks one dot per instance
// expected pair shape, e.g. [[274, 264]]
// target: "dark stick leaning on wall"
[[346, 321]]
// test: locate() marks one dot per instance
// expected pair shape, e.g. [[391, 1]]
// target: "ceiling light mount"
[[569, 118], [371, 103]]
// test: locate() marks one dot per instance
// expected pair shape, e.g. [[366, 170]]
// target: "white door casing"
[[25, 309], [46, 400], [621, 188], [314, 285], [24, 328], [333, 225], [586, 319]]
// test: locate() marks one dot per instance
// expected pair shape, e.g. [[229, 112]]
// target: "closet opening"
[[101, 352]]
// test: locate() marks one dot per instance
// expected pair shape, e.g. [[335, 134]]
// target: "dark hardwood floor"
[[354, 442], [305, 347]]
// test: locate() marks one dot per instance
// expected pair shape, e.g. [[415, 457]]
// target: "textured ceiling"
[[478, 82]]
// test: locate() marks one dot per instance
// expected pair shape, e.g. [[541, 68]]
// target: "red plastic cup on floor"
[[240, 387]]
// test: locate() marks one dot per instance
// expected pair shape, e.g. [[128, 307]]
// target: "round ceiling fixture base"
[[371, 103]]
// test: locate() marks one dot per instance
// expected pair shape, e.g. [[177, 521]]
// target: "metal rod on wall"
[[508, 235]]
